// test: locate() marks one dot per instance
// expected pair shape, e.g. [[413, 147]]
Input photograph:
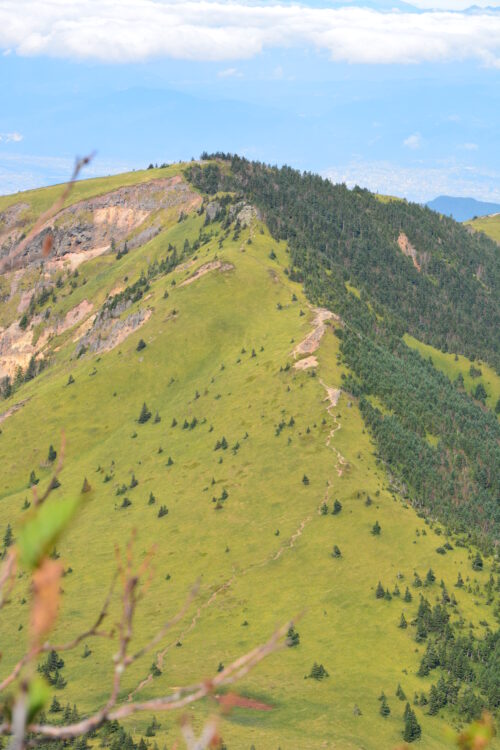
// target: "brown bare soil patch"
[[306, 363], [12, 410], [214, 265], [311, 341], [407, 249]]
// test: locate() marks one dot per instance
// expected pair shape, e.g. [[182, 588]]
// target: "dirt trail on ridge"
[[309, 344]]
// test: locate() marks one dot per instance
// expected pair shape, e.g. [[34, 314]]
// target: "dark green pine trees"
[[379, 591], [292, 637], [400, 693], [318, 672], [8, 537], [145, 414], [412, 730], [477, 562], [384, 707], [376, 529]]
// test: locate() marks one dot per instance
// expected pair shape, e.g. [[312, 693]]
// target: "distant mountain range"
[[462, 209]]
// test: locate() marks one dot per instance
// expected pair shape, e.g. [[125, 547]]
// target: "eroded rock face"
[[212, 210], [407, 249], [244, 212], [98, 221], [17, 346], [108, 332]]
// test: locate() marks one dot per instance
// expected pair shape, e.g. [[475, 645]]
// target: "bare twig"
[[166, 627], [42, 220], [7, 576], [133, 584], [208, 735], [60, 463], [179, 699], [68, 646]]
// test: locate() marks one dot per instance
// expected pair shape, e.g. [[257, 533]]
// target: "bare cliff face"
[[93, 224], [82, 231]]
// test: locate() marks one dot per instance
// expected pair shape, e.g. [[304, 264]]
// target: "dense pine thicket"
[[452, 303], [335, 236], [465, 668], [459, 478]]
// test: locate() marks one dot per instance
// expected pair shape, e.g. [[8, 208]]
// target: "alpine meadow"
[[276, 393]]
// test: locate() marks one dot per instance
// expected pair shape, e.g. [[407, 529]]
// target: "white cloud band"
[[136, 30], [419, 183]]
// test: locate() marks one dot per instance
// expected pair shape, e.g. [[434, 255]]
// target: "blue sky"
[[401, 98]]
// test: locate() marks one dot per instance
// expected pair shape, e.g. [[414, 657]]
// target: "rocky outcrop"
[[245, 213], [407, 249], [107, 331], [97, 222]]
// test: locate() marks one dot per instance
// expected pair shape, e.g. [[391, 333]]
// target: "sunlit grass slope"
[[490, 225], [453, 364], [218, 351]]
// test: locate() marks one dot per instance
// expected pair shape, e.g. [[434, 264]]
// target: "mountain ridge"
[[461, 208], [265, 415]]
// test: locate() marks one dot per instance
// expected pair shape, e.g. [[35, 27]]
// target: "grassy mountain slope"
[[454, 364], [490, 225], [219, 351], [424, 272]]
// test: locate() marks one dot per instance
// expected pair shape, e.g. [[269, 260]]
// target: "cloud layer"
[[121, 31], [419, 183]]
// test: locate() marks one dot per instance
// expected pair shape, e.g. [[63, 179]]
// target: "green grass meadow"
[[255, 572]]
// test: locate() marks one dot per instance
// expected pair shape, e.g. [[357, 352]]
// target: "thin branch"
[[47, 215], [46, 647], [180, 699], [207, 737], [7, 576], [167, 626], [60, 463]]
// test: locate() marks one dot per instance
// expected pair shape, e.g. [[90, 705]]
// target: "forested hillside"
[[440, 283]]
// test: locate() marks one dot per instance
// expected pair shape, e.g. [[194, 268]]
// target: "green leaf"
[[38, 696], [43, 528]]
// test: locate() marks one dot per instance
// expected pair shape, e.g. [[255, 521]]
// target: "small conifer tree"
[[477, 562], [292, 637], [8, 537], [412, 730], [384, 708], [379, 591], [376, 529], [400, 693], [430, 577], [144, 415]]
